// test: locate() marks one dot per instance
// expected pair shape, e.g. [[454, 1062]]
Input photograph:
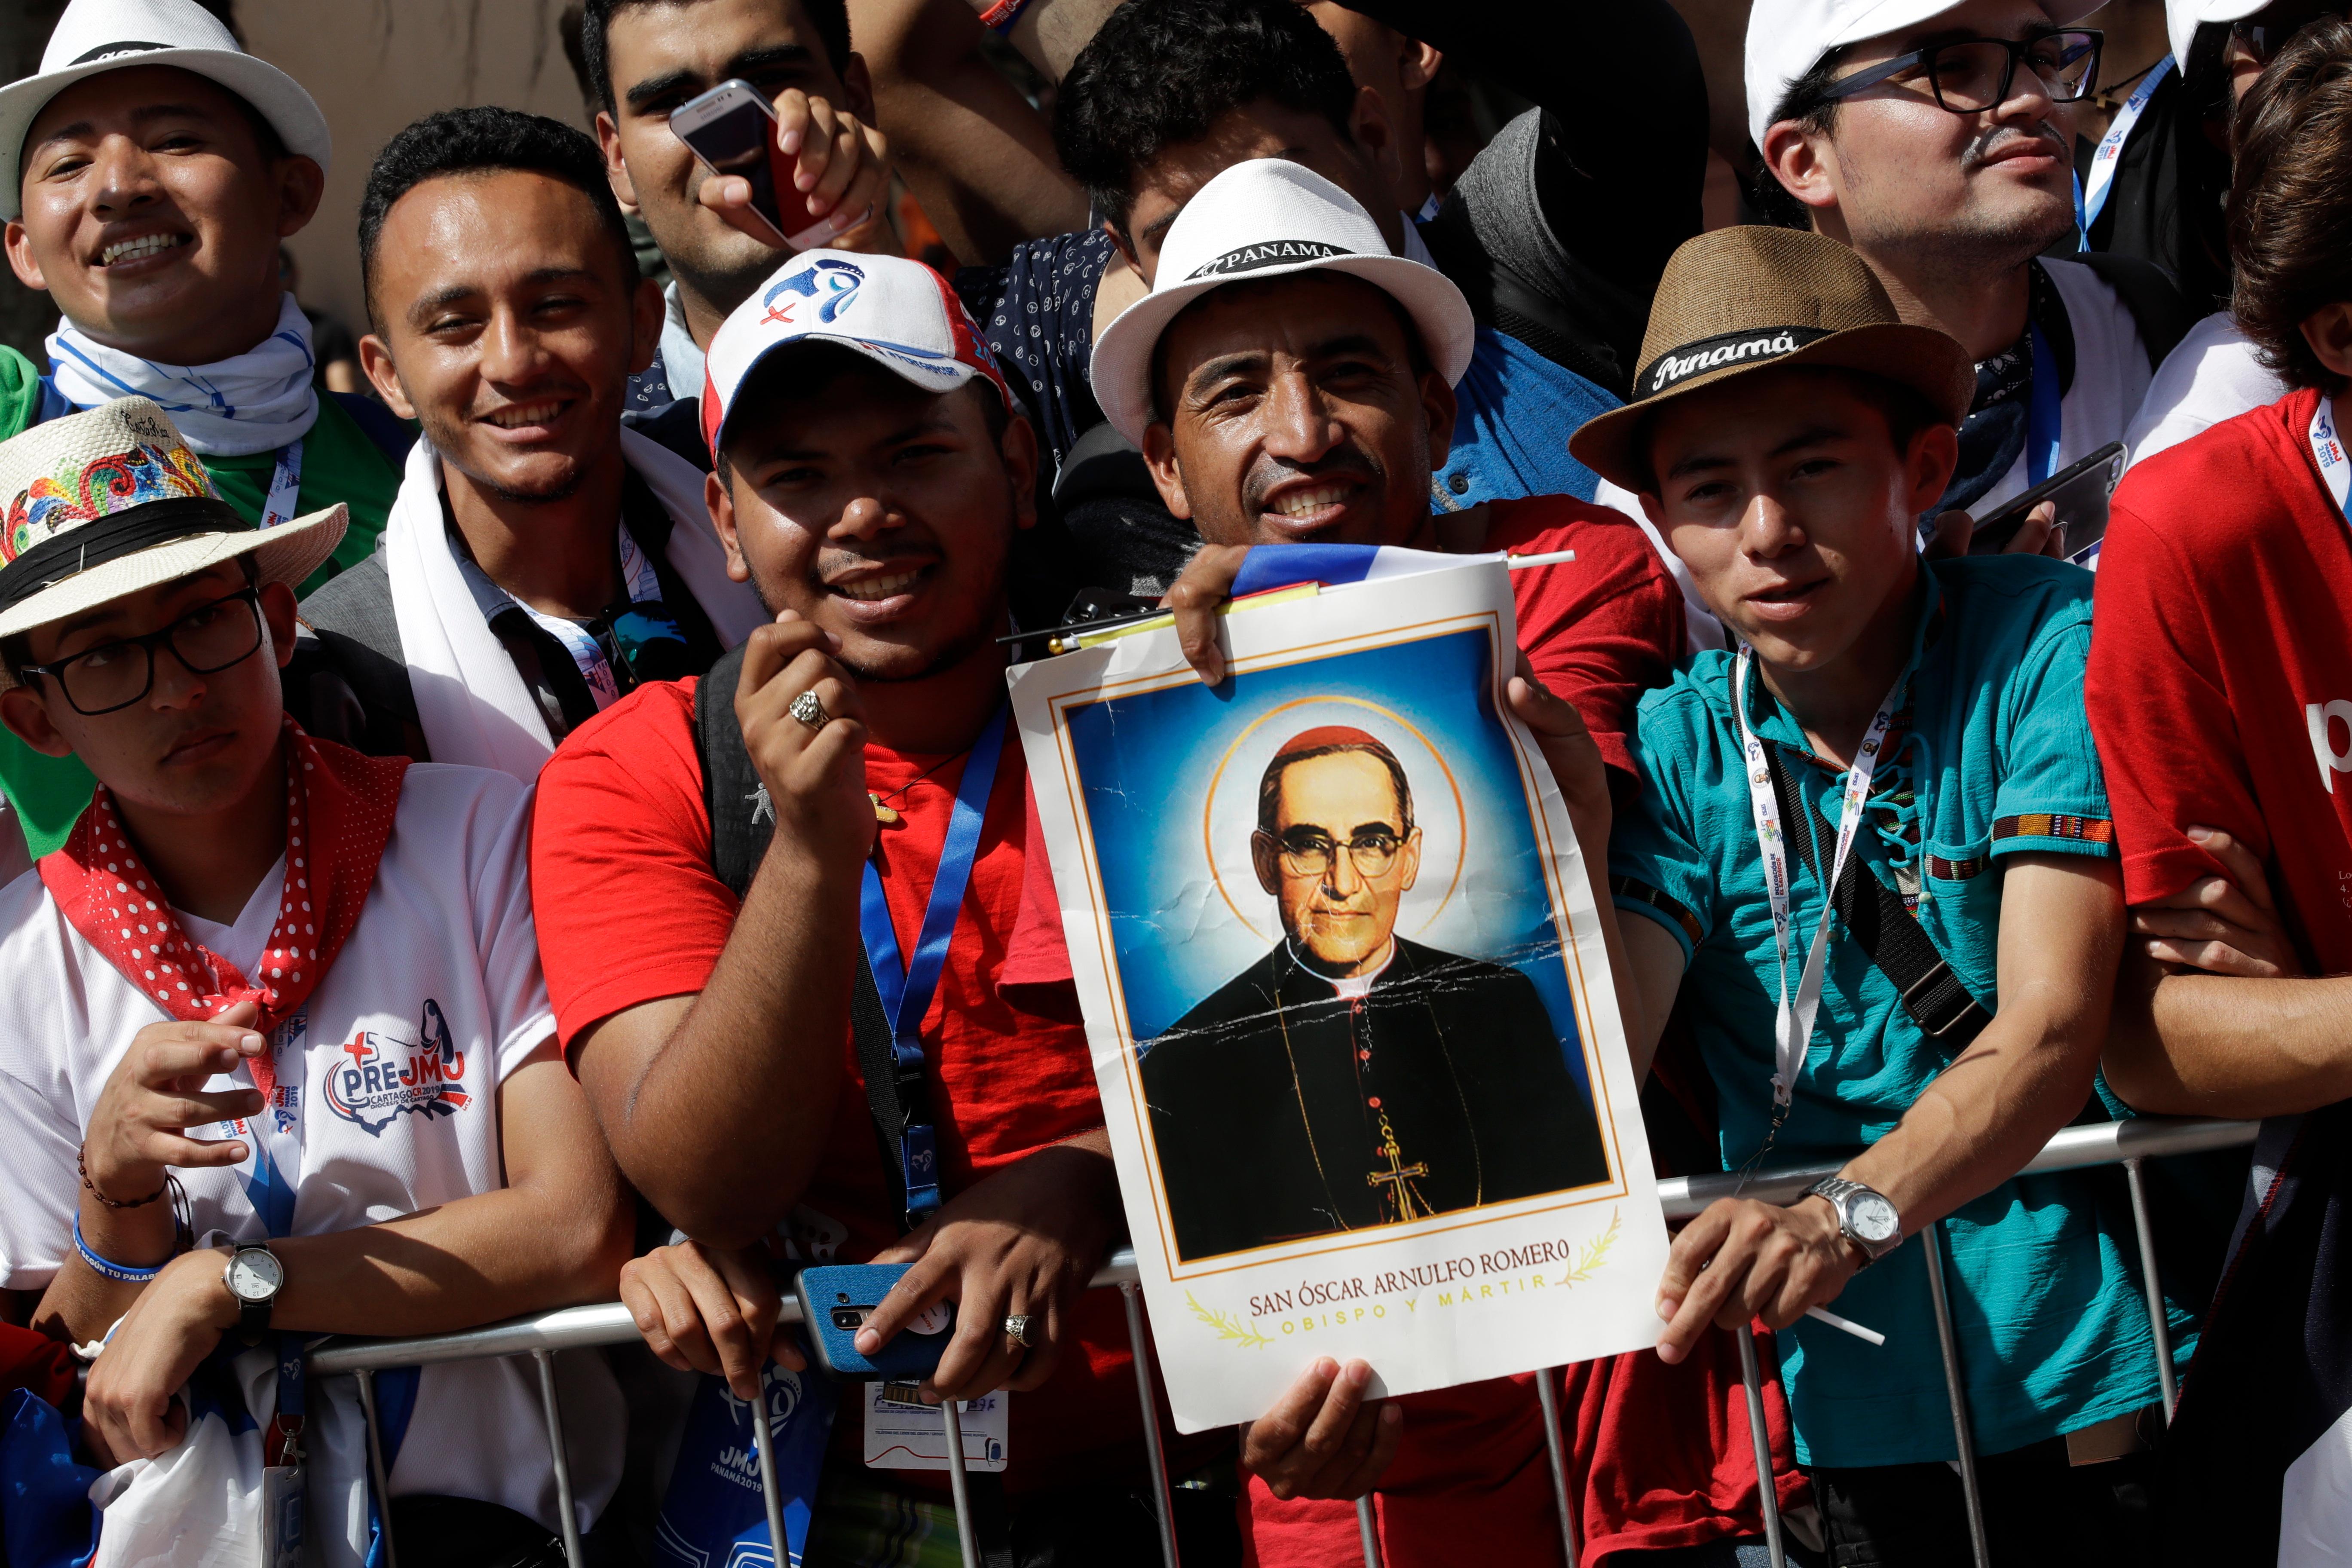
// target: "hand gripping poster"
[[1349, 1005]]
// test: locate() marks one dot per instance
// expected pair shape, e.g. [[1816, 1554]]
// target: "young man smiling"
[[148, 173], [1933, 138], [1911, 735], [646, 57], [541, 559], [871, 477], [296, 990]]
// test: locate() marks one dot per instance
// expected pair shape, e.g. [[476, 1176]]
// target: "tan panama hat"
[[1738, 301], [106, 503]]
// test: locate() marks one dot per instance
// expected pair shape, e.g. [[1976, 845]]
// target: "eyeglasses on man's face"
[[114, 675], [1970, 76], [1308, 852]]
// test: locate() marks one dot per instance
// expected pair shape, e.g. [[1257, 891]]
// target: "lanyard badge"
[[1792, 1028], [2111, 147], [907, 988], [285, 486]]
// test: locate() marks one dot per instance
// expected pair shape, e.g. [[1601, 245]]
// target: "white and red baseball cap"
[[897, 313]]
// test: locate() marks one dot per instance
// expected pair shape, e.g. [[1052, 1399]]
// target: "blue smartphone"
[[836, 1301]]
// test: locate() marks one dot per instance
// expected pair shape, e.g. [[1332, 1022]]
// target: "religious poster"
[[1362, 1065]]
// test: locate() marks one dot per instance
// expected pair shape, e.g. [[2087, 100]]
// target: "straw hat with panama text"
[[100, 505], [1738, 301]]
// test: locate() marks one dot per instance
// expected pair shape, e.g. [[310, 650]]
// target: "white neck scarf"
[[470, 700], [254, 402]]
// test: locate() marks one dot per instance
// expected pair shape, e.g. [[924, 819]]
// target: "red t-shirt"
[[621, 865], [1601, 629], [2216, 645]]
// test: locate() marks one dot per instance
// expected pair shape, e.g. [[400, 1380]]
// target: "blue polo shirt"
[[1991, 755]]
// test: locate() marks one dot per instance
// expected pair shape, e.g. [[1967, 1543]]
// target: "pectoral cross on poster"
[[1398, 1177]]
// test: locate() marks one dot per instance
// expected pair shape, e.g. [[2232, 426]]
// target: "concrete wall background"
[[376, 65]]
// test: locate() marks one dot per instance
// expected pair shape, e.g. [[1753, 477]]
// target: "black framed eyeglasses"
[[1308, 853], [114, 675], [1970, 76]]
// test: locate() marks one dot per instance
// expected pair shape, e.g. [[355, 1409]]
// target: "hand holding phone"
[[809, 172], [2080, 493], [837, 1300]]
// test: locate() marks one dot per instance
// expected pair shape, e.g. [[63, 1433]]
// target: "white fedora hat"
[[102, 504], [1259, 219], [95, 36]]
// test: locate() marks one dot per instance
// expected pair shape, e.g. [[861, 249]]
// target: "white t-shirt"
[[2211, 375], [377, 1121], [2111, 376]]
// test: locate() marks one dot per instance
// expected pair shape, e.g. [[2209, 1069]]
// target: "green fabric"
[[2053, 1328], [339, 463]]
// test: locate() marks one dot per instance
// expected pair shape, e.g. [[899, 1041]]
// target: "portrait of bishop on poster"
[[1346, 996]]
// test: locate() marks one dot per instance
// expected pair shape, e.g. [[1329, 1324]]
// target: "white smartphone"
[[731, 129]]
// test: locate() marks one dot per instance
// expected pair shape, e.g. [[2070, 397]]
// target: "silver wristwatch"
[[1866, 1216], [254, 1277]]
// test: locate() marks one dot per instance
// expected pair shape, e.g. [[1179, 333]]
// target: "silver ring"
[[1016, 1329], [809, 708]]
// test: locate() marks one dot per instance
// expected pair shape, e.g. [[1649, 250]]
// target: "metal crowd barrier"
[[2127, 1143]]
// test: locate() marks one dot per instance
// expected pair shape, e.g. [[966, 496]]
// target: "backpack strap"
[[2157, 307], [1880, 925], [742, 822]]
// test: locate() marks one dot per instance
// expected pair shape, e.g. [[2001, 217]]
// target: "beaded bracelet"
[[82, 1163], [108, 1267], [1000, 16]]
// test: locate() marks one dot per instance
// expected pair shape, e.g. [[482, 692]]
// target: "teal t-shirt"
[[1992, 756], [339, 463]]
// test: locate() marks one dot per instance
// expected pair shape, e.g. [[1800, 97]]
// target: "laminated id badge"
[[281, 1515], [902, 1432]]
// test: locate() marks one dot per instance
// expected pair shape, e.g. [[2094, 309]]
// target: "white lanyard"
[[2111, 145], [285, 486], [2334, 468], [1792, 1028]]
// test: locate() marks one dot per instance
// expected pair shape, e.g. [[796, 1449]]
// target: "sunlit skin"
[[152, 151], [195, 766], [1398, 69], [660, 56], [881, 513], [1343, 920], [1294, 413], [508, 322], [1785, 495], [1363, 164]]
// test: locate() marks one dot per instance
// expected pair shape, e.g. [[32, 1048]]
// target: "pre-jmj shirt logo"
[[385, 1076]]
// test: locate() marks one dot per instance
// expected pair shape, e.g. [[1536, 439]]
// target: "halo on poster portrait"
[[1229, 814]]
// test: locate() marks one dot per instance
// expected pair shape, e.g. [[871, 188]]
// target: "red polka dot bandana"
[[339, 812]]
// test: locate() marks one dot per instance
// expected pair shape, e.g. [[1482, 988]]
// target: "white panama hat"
[[1785, 38], [1265, 218], [98, 505], [2183, 17], [97, 35]]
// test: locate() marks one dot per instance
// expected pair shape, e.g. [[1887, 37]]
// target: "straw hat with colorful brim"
[[109, 502], [1738, 301], [1266, 218], [97, 35]]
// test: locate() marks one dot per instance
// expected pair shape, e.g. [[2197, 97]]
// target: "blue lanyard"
[[907, 988], [2042, 416]]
